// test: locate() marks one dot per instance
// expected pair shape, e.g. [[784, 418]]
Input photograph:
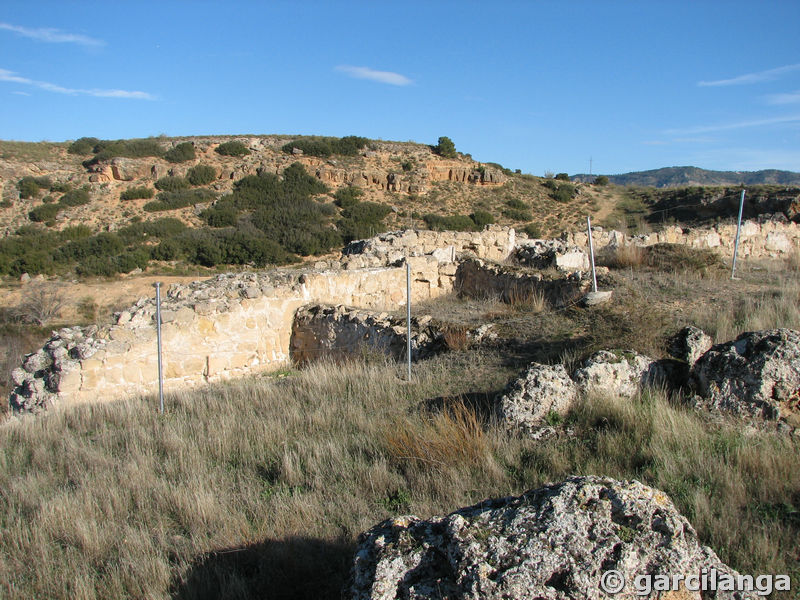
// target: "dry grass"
[[793, 261], [625, 257], [259, 488]]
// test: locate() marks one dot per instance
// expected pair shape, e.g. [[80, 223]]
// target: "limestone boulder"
[[689, 344], [537, 392], [756, 375], [617, 372], [555, 542]]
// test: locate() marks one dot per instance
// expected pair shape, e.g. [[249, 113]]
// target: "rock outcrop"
[[555, 542], [557, 254], [539, 391], [755, 375], [689, 344], [618, 372]]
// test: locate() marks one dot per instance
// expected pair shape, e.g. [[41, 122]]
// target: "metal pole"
[[158, 335], [408, 317], [738, 231], [591, 252]]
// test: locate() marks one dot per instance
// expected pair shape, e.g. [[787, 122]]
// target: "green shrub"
[[233, 148], [29, 187], [84, 145], [179, 199], [449, 223], [325, 146], [137, 193], [75, 232], [60, 187], [172, 184], [75, 198], [48, 199], [601, 180], [180, 153], [563, 192], [517, 215], [106, 150], [445, 148], [482, 218], [201, 175], [45, 212], [347, 196], [168, 249], [533, 230], [407, 165], [516, 203], [362, 220], [562, 176], [104, 245], [221, 215]]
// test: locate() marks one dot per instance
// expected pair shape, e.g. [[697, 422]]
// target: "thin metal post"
[[591, 251], [738, 231], [158, 335], [408, 317]]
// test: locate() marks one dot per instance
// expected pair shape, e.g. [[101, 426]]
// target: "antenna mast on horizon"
[[590, 166]]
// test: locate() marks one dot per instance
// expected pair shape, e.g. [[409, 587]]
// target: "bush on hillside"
[[449, 223], [201, 175], [137, 193], [482, 218], [84, 146], [445, 148], [562, 176], [106, 150], [326, 146], [29, 187], [222, 214], [362, 220], [347, 196], [180, 153], [232, 148], [44, 212], [179, 199], [172, 184], [601, 180], [75, 198]]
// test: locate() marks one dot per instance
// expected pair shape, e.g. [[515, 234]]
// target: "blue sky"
[[538, 85]]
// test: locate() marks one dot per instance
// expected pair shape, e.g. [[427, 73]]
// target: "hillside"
[[669, 177], [179, 201]]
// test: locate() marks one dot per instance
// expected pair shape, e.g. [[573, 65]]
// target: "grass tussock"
[[626, 257]]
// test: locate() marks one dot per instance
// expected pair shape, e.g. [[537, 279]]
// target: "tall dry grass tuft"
[[793, 261], [626, 257], [451, 437]]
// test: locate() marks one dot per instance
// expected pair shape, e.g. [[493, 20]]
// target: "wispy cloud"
[[751, 78], [52, 36], [789, 98], [12, 77], [737, 125], [373, 75]]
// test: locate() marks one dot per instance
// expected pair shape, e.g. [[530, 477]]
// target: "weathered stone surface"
[[555, 542], [337, 331], [529, 399], [757, 374], [689, 344], [545, 254], [596, 298], [618, 372]]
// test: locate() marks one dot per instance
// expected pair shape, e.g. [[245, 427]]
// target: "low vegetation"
[[323, 147], [232, 148], [180, 153]]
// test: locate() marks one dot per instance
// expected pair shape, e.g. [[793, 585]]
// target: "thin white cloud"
[[373, 75], [789, 98], [751, 78], [18, 93], [12, 77], [737, 125], [52, 36]]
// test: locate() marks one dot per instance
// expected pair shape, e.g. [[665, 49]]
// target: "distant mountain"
[[688, 176]]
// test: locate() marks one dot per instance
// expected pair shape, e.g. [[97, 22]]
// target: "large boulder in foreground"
[[539, 391], [756, 375], [551, 543], [618, 372]]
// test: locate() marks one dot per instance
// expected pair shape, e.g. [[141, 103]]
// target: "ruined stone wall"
[[762, 238], [337, 331], [224, 327], [476, 279]]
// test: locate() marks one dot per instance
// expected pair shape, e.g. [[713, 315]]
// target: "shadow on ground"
[[296, 568]]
